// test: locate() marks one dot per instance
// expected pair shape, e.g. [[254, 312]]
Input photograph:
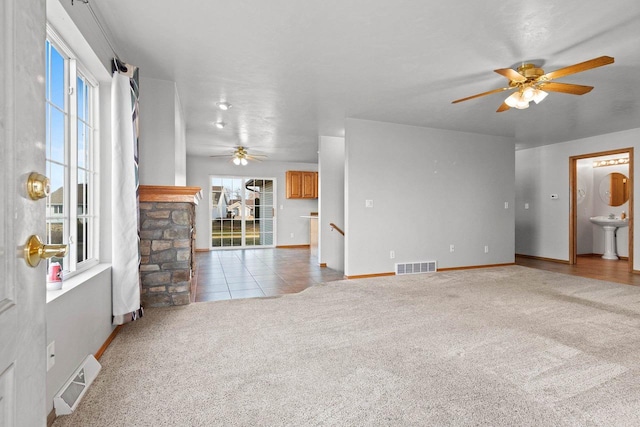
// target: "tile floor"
[[248, 273]]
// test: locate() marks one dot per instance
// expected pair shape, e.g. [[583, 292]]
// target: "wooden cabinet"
[[302, 185]]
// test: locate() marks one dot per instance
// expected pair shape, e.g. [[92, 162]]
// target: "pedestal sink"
[[609, 225]]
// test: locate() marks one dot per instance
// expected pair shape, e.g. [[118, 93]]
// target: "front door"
[[22, 144]]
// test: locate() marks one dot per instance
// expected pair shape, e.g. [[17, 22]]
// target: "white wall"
[[162, 145], [543, 229], [331, 202], [288, 220], [430, 188], [79, 322], [180, 143]]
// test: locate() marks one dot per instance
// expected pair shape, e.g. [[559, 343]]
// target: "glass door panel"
[[242, 212]]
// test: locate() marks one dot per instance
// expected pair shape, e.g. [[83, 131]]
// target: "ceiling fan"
[[240, 156], [529, 82]]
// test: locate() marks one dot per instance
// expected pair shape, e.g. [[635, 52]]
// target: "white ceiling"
[[295, 69]]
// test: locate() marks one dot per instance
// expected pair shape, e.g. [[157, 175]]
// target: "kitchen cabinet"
[[302, 185]]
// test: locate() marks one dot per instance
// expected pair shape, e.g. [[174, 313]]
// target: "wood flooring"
[[591, 266]]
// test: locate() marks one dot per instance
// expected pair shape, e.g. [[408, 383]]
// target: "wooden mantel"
[[168, 193]]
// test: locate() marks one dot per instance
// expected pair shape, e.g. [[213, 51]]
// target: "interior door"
[[22, 141]]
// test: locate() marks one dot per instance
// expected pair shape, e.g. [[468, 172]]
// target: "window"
[[71, 150]]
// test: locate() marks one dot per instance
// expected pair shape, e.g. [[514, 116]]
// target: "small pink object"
[[55, 272]]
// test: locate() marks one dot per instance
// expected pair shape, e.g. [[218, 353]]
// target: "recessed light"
[[220, 125], [223, 105]]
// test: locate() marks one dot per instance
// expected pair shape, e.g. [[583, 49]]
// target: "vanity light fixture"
[[611, 162], [220, 125], [223, 105]]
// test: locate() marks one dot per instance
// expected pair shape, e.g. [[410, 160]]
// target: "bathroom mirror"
[[614, 189]]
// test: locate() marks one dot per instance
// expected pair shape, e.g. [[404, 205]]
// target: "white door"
[[22, 144]]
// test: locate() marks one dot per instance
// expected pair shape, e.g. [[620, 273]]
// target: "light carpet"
[[508, 346]]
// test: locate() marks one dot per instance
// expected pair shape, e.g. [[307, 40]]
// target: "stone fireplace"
[[167, 244]]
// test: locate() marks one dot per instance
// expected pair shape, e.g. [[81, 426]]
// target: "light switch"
[[368, 203]]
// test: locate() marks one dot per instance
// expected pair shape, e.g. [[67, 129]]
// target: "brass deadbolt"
[[38, 186]]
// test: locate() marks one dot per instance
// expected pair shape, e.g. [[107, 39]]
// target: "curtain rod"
[[100, 27]]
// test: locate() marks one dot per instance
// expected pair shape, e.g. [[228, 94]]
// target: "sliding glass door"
[[242, 212]]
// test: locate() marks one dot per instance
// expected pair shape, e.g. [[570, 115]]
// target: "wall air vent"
[[416, 267], [70, 394]]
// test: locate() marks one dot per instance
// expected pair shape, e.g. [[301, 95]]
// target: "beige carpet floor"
[[508, 346]]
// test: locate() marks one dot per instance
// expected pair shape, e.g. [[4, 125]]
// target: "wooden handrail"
[[335, 227]]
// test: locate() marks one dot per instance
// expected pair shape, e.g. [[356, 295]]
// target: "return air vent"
[[416, 267], [70, 394]]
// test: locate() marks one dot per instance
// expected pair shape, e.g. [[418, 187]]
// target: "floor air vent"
[[416, 267], [70, 394]]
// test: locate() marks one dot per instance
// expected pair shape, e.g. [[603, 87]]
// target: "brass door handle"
[[35, 251]]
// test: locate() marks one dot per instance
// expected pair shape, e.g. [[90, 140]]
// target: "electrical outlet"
[[506, 205], [368, 203], [526, 205], [486, 249], [51, 355], [452, 248], [392, 254]]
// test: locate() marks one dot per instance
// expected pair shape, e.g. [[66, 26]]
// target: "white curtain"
[[124, 190]]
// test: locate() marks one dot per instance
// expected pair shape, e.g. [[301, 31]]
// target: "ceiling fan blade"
[[511, 74], [578, 68], [503, 107], [502, 89], [566, 88]]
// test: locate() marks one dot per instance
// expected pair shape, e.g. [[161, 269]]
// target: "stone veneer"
[[167, 233]]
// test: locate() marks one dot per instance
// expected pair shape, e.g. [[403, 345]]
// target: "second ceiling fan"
[[531, 83]]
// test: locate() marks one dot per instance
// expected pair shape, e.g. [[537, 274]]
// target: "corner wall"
[[430, 189], [331, 201], [162, 149]]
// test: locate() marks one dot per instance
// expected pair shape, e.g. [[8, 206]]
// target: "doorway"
[[602, 169], [242, 212]]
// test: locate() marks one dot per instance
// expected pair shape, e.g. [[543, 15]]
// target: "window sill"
[[77, 280]]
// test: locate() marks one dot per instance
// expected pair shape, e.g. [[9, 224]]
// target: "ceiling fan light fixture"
[[243, 161], [223, 105], [236, 161], [513, 99], [528, 93], [220, 125], [539, 96]]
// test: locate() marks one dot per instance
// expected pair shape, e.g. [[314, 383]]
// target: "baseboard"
[[51, 418], [293, 246], [104, 346], [203, 250], [473, 267], [539, 258], [366, 276]]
